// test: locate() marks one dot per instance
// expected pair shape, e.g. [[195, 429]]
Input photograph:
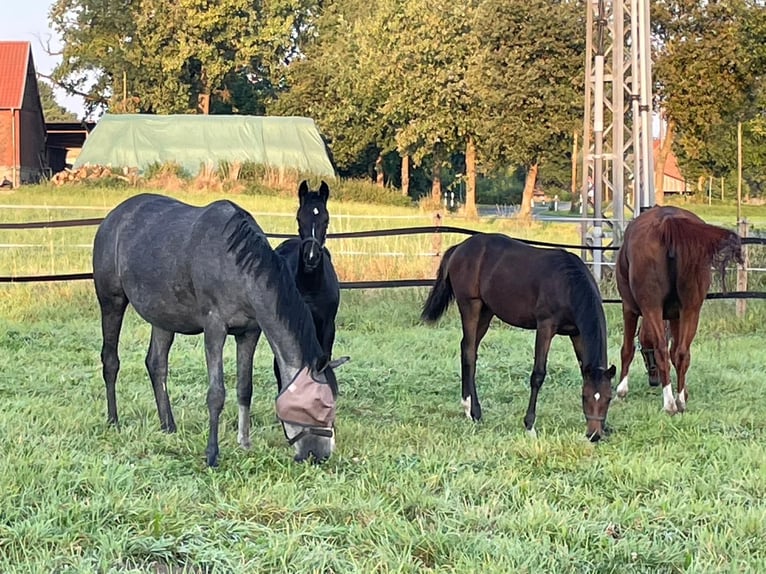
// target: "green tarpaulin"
[[139, 140]]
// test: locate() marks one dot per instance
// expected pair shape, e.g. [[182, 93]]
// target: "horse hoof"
[[532, 433], [672, 410], [680, 406], [245, 444]]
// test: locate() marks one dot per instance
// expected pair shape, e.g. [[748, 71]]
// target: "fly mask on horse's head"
[[313, 220], [306, 409]]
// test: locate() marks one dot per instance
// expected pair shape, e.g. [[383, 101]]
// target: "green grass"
[[413, 487]]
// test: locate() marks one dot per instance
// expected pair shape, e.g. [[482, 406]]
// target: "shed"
[[22, 124], [193, 141]]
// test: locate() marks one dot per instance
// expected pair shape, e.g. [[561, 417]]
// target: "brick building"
[[23, 157]]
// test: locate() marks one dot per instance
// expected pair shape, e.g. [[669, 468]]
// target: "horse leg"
[[475, 317], [652, 336], [246, 344], [681, 352], [215, 337], [112, 314], [628, 350], [543, 337], [157, 365]]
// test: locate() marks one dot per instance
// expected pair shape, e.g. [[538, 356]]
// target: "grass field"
[[413, 486]]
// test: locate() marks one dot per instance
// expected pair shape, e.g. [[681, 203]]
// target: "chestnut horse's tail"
[[691, 243], [694, 245], [441, 294]]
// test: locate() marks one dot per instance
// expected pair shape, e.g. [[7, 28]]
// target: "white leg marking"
[[669, 403], [466, 402], [532, 432], [243, 427], [622, 388], [681, 401]]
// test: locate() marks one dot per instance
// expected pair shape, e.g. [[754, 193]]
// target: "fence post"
[[742, 271], [436, 244]]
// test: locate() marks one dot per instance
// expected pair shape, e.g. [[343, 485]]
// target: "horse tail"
[[441, 294], [691, 243]]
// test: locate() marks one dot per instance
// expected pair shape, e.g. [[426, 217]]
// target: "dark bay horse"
[[211, 270], [309, 262], [663, 274], [547, 290]]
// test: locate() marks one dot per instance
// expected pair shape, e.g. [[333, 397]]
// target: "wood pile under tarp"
[[93, 172]]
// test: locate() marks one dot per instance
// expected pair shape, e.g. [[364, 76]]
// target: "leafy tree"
[[52, 110], [528, 73], [175, 57], [710, 62], [333, 83]]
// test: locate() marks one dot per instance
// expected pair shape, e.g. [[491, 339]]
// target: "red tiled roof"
[[671, 163], [14, 59]]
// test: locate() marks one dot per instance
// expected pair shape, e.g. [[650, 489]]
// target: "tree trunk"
[[529, 188], [470, 179], [436, 183], [659, 166], [405, 175], [379, 175]]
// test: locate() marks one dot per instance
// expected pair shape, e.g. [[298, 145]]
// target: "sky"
[[28, 20]]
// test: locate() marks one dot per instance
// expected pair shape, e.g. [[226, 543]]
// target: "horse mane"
[[586, 303], [253, 254], [696, 245]]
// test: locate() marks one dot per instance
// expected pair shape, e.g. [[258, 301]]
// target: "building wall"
[[673, 185], [6, 145], [32, 145], [34, 160]]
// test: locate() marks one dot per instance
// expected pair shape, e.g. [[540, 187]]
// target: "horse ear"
[[324, 191], [335, 363], [303, 191], [324, 361]]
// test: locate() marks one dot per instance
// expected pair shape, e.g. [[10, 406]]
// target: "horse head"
[[728, 249], [596, 396], [313, 220], [306, 409]]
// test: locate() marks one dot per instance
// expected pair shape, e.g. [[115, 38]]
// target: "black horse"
[[310, 264], [211, 270], [548, 290]]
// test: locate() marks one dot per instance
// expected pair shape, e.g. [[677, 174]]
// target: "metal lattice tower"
[[617, 129]]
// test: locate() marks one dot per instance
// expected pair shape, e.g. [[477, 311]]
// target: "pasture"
[[413, 486]]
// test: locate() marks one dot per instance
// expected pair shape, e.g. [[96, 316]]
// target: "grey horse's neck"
[[287, 325]]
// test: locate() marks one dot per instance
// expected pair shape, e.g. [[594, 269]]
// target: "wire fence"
[[387, 284]]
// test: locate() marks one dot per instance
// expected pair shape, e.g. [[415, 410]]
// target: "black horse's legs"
[[157, 365], [543, 337], [215, 337], [245, 349], [475, 318], [628, 350], [112, 313]]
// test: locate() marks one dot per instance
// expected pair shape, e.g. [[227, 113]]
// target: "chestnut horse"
[[548, 290], [663, 274]]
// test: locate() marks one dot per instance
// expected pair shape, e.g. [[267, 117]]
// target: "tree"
[[157, 56], [528, 74], [710, 62], [52, 110], [334, 82]]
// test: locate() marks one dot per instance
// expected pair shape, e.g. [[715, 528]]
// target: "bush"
[[366, 192], [170, 168]]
